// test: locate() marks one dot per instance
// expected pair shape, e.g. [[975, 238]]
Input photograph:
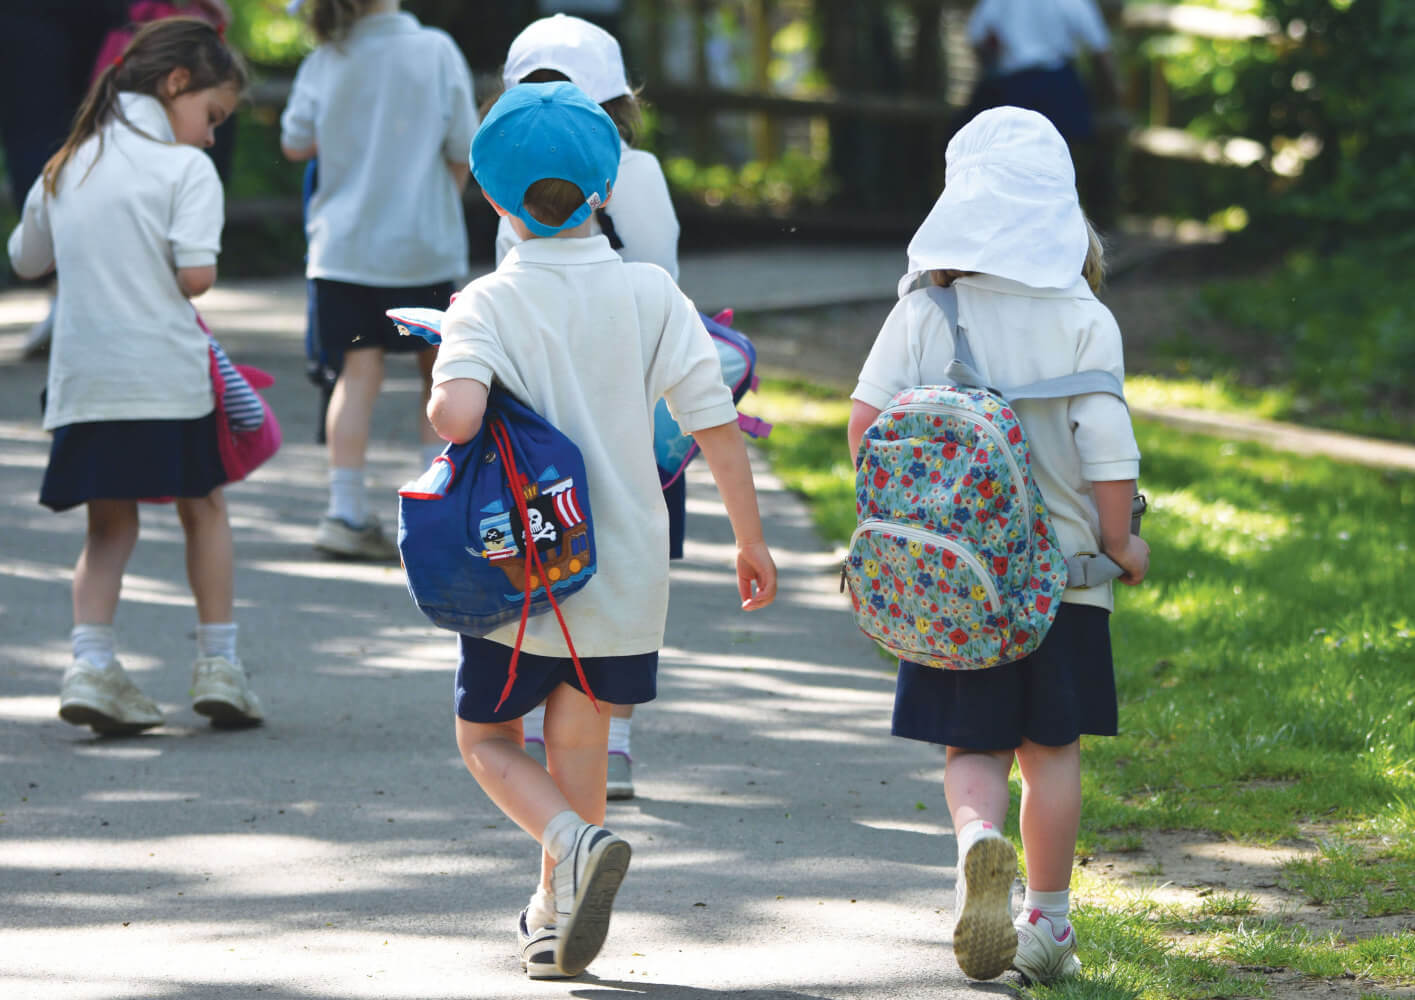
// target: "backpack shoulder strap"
[[964, 369]]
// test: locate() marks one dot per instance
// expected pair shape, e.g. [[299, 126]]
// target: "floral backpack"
[[954, 562]]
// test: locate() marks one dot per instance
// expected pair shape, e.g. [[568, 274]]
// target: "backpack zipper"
[[933, 538], [992, 431]]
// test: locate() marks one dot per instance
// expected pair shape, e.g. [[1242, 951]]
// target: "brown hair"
[[332, 20], [155, 51], [553, 200], [623, 110], [1093, 267]]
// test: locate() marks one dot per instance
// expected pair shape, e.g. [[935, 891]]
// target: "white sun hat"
[[588, 55], [1009, 205]]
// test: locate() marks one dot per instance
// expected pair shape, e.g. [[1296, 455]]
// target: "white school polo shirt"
[[1038, 34], [591, 343], [1020, 334], [640, 209], [388, 108], [126, 341]]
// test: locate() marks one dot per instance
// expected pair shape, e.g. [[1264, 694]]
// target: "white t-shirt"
[[1038, 34], [126, 341], [640, 209], [388, 109], [590, 343], [1020, 334]]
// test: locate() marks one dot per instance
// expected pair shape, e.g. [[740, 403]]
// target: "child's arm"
[[456, 408], [461, 173], [299, 155], [1129, 550], [31, 245], [861, 416], [726, 455], [194, 281]]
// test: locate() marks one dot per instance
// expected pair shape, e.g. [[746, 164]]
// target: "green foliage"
[[1340, 335], [793, 181]]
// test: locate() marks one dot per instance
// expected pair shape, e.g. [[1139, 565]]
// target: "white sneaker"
[[337, 537], [221, 692], [1041, 958], [537, 949], [621, 776], [105, 700], [984, 940], [585, 881]]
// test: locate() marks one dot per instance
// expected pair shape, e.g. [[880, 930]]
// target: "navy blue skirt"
[[1064, 689], [481, 676], [132, 460]]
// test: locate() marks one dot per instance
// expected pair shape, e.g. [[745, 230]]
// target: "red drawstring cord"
[[513, 475]]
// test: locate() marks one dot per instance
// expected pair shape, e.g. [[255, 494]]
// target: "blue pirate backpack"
[[954, 561], [498, 528], [672, 449]]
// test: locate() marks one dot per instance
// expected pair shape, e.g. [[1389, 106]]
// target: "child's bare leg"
[[576, 751], [98, 575], [209, 555], [1051, 812], [975, 785], [351, 407]]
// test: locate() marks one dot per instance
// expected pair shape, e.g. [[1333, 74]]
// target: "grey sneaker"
[[585, 881], [337, 537], [221, 692], [537, 950], [1041, 958], [984, 939], [106, 701], [621, 776]]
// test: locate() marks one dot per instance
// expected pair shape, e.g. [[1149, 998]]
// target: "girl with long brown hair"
[[129, 212]]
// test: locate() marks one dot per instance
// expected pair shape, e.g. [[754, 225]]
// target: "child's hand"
[[755, 568], [1134, 559]]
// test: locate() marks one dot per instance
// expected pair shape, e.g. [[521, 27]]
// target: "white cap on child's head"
[[585, 53], [1009, 205]]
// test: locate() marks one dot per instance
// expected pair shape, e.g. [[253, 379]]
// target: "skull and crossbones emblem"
[[538, 529]]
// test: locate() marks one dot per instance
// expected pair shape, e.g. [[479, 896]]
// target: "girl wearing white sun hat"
[[1008, 236]]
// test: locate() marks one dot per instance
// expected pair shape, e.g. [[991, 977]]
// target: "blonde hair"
[[1093, 267], [332, 20], [155, 51]]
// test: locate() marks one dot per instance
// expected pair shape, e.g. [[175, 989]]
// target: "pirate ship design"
[[555, 525]]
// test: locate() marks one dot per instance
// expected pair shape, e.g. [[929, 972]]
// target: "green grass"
[[1266, 685]]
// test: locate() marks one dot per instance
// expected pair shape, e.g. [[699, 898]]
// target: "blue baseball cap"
[[541, 130]]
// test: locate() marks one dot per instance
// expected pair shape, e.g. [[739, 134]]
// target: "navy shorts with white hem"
[[481, 675]]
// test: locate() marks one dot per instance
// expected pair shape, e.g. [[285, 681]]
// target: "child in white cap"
[[590, 342], [642, 227], [1008, 235]]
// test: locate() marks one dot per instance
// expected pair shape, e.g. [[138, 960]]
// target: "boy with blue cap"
[[590, 342]]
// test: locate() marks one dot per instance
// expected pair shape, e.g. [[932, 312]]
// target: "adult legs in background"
[[349, 529]]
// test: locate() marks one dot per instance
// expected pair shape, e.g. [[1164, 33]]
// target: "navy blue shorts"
[[1065, 688], [132, 460], [481, 674], [349, 317]]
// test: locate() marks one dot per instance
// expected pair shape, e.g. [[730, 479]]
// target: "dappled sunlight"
[[350, 572], [1220, 527]]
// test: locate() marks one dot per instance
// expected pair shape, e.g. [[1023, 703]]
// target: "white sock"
[[559, 834], [619, 735], [541, 911], [348, 498], [430, 453], [1054, 906], [217, 640], [93, 643], [533, 724]]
